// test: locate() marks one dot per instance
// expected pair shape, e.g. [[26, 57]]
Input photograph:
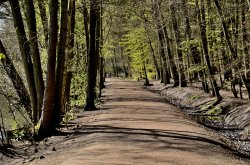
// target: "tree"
[[59, 105], [39, 84], [232, 49], [25, 52], [180, 67], [151, 48], [16, 80], [44, 19], [202, 24], [92, 57], [86, 24], [165, 77], [46, 121], [245, 38]]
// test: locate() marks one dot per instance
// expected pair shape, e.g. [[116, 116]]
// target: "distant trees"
[[196, 41]]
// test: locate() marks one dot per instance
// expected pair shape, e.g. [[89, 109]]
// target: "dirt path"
[[135, 126]]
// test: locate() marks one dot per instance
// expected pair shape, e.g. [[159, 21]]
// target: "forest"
[[57, 54]]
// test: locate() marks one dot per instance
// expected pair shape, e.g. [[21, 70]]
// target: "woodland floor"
[[133, 126]]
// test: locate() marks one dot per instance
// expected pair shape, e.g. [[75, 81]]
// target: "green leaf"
[[2, 56]]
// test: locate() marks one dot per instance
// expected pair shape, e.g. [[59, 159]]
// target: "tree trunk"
[[151, 48], [25, 51], [202, 24], [165, 74], [123, 62], [60, 69], [193, 48], [16, 80], [72, 29], [86, 25], [98, 33], [67, 91], [182, 81], [44, 20], [92, 58], [71, 43], [146, 75], [152, 51], [172, 65], [101, 81], [245, 38], [46, 126], [37, 67], [230, 46]]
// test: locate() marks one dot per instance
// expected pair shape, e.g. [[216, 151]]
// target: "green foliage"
[[136, 47], [186, 45], [196, 68], [2, 56], [37, 126], [192, 98], [215, 111], [17, 133], [69, 116], [78, 90]]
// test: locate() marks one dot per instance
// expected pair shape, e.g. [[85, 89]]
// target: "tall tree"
[[203, 34], [182, 78], [188, 31], [38, 75], [92, 57], [24, 47], [46, 121], [231, 47], [60, 68], [70, 56], [152, 51], [165, 77]]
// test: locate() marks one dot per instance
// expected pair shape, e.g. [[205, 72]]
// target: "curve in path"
[[135, 126]]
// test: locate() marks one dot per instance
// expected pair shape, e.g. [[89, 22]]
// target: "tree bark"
[[38, 75], [46, 126], [101, 77], [60, 68], [172, 64], [44, 20], [86, 25], [165, 75], [98, 33], [71, 43], [92, 58], [180, 67]]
